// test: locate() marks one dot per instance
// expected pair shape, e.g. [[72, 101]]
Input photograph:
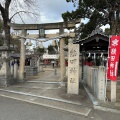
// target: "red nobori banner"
[[113, 58]]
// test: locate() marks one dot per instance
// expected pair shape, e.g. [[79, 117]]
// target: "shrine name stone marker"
[[73, 69]]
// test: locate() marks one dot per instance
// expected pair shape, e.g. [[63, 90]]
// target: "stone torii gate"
[[42, 27]]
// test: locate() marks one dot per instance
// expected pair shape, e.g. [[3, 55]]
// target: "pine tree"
[[102, 11]]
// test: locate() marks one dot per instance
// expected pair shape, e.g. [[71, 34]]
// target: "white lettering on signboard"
[[50, 56]]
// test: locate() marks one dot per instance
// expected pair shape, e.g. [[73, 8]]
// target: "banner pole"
[[113, 90], [107, 70]]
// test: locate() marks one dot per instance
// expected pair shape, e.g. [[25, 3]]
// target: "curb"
[[44, 97], [51, 82], [107, 109], [92, 98], [96, 104]]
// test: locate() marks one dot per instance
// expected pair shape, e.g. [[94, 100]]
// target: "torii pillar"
[[22, 57], [62, 56]]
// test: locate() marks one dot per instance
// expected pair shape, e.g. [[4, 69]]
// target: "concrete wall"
[[95, 79]]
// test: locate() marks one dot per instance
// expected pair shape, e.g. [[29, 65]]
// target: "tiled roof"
[[94, 32]]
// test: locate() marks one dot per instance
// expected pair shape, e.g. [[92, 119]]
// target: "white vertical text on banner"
[[113, 58]]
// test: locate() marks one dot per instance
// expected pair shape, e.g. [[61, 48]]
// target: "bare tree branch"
[[22, 12], [21, 17]]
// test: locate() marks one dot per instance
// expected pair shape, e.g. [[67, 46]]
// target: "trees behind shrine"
[[99, 12]]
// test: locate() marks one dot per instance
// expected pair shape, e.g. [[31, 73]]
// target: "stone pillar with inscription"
[[22, 57], [73, 68]]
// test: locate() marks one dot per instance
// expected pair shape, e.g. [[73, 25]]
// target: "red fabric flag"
[[113, 58]]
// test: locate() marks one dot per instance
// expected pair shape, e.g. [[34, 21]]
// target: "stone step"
[[64, 105], [44, 81], [38, 84], [50, 79]]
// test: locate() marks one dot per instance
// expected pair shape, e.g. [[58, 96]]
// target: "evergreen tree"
[[107, 31], [53, 49], [40, 51], [100, 12]]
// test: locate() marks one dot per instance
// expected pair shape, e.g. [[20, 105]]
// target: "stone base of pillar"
[[63, 84], [5, 82], [41, 70], [21, 77], [64, 79], [113, 91], [41, 67]]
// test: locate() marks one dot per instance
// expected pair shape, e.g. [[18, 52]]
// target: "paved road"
[[11, 109]]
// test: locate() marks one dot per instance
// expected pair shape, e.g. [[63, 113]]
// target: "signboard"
[[41, 33], [113, 57], [50, 56]]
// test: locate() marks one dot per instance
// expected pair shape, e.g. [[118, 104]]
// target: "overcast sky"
[[50, 11]]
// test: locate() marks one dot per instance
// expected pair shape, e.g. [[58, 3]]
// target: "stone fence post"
[[85, 74], [95, 78], [5, 75], [12, 67], [101, 83], [38, 65], [15, 69]]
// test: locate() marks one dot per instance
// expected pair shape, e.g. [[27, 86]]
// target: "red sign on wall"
[[113, 58]]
